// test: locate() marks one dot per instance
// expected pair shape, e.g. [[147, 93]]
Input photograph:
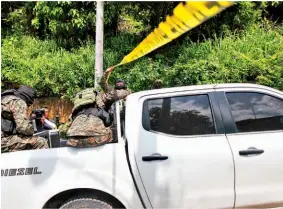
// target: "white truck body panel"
[[259, 179], [191, 176], [102, 168]]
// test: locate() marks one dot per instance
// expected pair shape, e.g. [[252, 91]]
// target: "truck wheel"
[[86, 202]]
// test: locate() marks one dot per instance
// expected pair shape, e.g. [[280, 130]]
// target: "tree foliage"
[[50, 45]]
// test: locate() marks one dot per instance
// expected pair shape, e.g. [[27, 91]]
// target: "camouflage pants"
[[88, 131], [15, 143]]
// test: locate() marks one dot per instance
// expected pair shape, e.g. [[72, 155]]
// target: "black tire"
[[86, 202]]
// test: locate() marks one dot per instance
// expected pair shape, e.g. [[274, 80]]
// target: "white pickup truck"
[[207, 146]]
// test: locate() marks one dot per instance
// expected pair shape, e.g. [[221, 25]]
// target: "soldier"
[[111, 95], [157, 84], [16, 130], [91, 119]]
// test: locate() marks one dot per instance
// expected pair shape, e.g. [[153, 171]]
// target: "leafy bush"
[[41, 64], [254, 56]]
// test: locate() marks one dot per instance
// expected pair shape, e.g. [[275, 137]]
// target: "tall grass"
[[255, 56]]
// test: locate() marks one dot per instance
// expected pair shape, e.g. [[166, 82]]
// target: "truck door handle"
[[251, 151], [154, 156]]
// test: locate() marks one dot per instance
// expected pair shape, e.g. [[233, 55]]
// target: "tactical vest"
[[89, 102], [105, 116], [8, 124], [86, 97]]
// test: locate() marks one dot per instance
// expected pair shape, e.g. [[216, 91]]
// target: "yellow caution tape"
[[186, 16]]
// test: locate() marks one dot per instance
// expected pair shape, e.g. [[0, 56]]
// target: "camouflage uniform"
[[23, 138], [111, 95], [91, 133], [89, 130]]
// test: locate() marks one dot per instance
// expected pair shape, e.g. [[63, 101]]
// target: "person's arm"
[[23, 124], [103, 79], [47, 123], [123, 93], [115, 95]]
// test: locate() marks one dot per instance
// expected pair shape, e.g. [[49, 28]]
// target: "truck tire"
[[86, 202]]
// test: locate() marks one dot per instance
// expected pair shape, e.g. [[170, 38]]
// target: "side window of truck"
[[180, 115], [256, 111]]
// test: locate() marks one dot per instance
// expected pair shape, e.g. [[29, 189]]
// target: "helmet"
[[120, 84], [157, 84]]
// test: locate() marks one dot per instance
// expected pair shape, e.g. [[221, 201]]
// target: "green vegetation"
[[49, 46]]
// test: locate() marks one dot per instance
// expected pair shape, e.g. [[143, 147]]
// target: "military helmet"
[[123, 86]]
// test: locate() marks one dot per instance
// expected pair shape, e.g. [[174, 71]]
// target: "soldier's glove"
[[109, 69]]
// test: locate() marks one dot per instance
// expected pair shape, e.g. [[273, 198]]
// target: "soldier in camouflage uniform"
[[16, 130], [87, 128]]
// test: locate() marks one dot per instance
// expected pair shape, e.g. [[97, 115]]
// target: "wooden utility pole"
[[99, 42]]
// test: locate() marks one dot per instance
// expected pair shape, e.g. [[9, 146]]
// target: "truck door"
[[182, 153], [255, 124]]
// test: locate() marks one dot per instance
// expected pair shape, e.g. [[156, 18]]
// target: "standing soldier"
[[91, 120], [16, 130], [113, 94]]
